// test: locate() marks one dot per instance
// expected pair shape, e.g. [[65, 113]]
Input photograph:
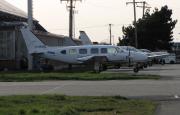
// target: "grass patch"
[[41, 76], [71, 105]]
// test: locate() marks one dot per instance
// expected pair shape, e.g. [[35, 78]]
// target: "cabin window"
[[120, 50], [82, 51], [103, 50], [94, 51], [63, 52], [112, 50], [72, 51]]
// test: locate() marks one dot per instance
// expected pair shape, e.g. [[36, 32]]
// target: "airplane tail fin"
[[84, 38], [33, 44]]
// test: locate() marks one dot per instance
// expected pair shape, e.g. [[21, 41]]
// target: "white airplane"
[[98, 54], [133, 52], [154, 54], [151, 55], [157, 57], [135, 55]]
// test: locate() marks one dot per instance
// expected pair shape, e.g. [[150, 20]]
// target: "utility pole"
[[30, 24], [135, 24], [71, 7], [71, 19], [134, 5], [30, 14], [144, 6], [110, 33]]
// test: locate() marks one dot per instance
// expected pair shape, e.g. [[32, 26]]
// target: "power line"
[[89, 27], [71, 7], [144, 6], [135, 24]]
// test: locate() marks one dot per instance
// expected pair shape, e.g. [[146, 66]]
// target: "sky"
[[93, 16]]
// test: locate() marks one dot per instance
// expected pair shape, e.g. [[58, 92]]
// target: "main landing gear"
[[136, 69], [98, 64]]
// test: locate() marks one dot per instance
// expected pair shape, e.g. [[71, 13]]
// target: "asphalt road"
[[168, 108], [95, 88], [168, 86], [164, 90], [169, 71]]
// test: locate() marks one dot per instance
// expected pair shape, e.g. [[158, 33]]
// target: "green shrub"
[[22, 112], [35, 111]]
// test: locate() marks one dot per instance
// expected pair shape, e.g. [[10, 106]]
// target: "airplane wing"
[[85, 59], [157, 56], [91, 58]]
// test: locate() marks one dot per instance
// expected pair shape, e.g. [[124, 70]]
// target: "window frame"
[[73, 53], [108, 50], [97, 49], [83, 53], [104, 50], [63, 51]]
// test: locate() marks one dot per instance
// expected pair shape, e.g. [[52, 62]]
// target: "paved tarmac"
[[171, 71], [166, 90], [168, 108], [94, 88]]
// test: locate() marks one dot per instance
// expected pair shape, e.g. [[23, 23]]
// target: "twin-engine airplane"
[[98, 54], [134, 54], [158, 56]]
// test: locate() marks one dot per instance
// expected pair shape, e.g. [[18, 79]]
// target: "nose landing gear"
[[136, 70]]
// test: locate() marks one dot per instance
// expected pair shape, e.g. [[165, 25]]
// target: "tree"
[[155, 31]]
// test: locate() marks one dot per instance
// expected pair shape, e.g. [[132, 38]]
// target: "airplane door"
[[115, 55], [123, 56]]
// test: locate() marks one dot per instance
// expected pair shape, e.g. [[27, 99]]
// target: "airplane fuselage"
[[78, 54]]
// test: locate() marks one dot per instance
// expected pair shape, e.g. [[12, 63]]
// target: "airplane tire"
[[104, 67], [172, 62], [150, 64], [162, 62], [145, 65], [136, 70], [141, 67]]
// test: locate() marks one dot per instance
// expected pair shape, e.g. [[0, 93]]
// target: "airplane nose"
[[143, 57]]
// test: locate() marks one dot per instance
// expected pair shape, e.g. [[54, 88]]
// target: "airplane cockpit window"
[[120, 50], [133, 49], [72, 51], [112, 50], [94, 50], [63, 52], [103, 50], [82, 51]]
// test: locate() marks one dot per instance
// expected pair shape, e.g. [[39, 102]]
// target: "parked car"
[[170, 59]]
